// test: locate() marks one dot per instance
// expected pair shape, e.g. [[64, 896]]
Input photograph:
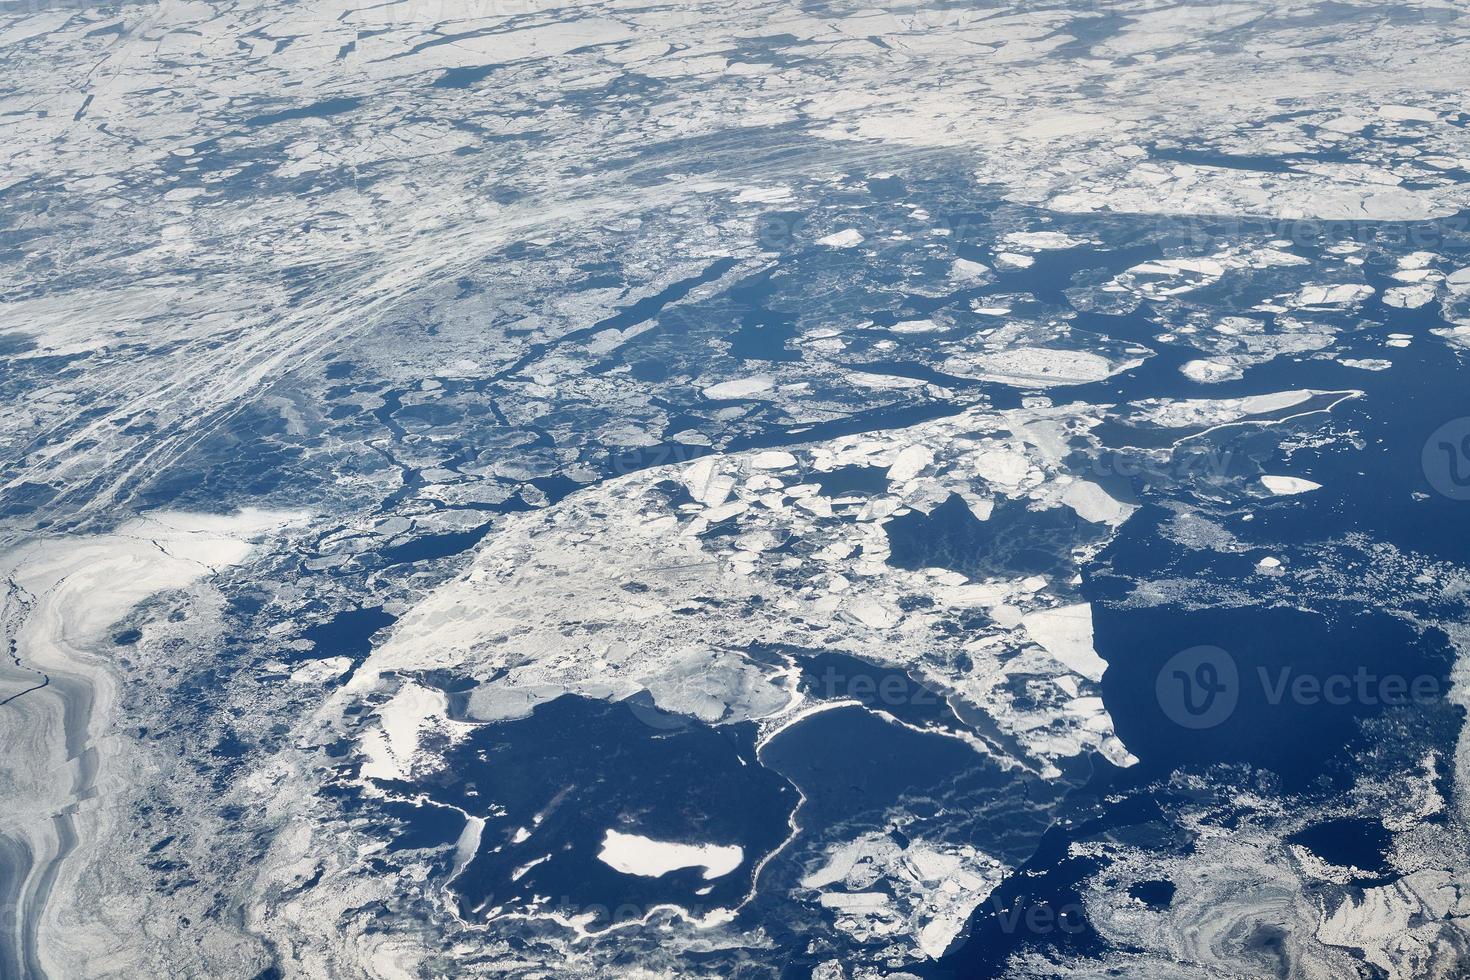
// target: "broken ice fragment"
[[742, 388], [907, 464], [966, 269], [1288, 485], [847, 238], [635, 855], [772, 460], [1210, 372], [1066, 633]]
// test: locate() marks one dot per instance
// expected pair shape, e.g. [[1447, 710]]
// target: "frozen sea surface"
[[734, 490]]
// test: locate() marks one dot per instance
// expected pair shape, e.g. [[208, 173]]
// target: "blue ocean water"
[[1308, 747], [1308, 744], [574, 770], [433, 288]]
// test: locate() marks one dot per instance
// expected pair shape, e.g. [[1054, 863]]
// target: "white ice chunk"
[[908, 463], [763, 195], [742, 388], [1014, 260], [1209, 372], [636, 855], [1340, 294], [847, 238], [1288, 485], [1405, 113], [1042, 240], [1033, 367], [1093, 503], [967, 269], [321, 671], [916, 326], [874, 614], [1066, 633], [854, 901], [773, 459], [1002, 466], [706, 484], [867, 379], [1346, 124]]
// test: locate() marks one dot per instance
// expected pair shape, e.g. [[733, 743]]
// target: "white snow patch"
[[390, 749]]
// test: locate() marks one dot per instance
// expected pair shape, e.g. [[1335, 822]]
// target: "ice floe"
[[1285, 486], [634, 854]]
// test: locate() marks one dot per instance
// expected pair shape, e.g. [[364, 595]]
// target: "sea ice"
[[1288, 485], [633, 854], [847, 238]]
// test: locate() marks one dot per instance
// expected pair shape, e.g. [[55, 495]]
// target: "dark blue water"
[[1302, 741], [1015, 540], [1307, 745], [464, 77], [588, 766], [860, 774], [853, 768], [347, 634], [1351, 843], [828, 676], [585, 767], [316, 110], [1155, 894], [852, 480], [434, 546]]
